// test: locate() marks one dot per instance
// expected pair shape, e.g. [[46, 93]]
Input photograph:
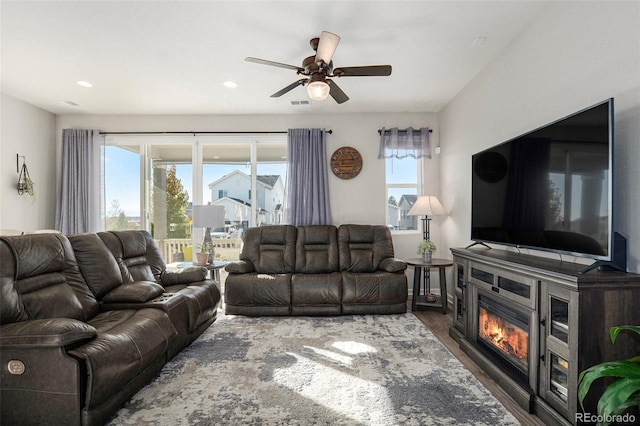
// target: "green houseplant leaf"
[[616, 395], [624, 391], [613, 333]]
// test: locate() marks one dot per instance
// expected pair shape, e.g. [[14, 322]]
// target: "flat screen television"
[[551, 189]]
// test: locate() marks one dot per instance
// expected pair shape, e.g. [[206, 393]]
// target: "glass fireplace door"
[[504, 331]]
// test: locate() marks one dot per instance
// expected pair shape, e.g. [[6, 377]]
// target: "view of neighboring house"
[[393, 213], [398, 213], [404, 205], [233, 191]]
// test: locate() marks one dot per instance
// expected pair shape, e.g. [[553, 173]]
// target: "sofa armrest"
[[392, 264], [135, 292], [239, 267], [184, 276], [53, 332]]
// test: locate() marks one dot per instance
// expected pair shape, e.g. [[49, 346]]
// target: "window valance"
[[402, 143]]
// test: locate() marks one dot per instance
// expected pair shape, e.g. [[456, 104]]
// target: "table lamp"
[[208, 216], [426, 205]]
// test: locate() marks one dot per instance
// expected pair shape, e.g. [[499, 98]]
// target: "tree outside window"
[[177, 203]]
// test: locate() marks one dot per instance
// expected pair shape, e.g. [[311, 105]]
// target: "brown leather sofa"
[[84, 324], [316, 270]]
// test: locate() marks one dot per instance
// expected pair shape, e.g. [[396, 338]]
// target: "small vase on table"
[[427, 256]]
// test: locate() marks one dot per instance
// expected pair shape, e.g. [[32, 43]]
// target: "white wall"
[[574, 55], [358, 200], [28, 131]]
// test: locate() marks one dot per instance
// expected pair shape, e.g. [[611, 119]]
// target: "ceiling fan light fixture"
[[318, 90]]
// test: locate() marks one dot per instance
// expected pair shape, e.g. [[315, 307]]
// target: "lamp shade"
[[208, 216], [427, 205]]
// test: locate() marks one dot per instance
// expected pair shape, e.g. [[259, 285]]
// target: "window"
[[252, 173], [121, 209], [152, 182], [171, 190], [403, 186]]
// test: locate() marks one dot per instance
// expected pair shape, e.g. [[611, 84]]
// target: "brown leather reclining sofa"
[[316, 270], [87, 320]]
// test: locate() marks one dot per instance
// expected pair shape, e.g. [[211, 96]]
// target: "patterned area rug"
[[349, 370]]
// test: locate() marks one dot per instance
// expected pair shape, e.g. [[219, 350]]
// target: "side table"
[[419, 300]]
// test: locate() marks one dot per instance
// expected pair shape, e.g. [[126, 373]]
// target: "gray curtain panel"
[[404, 143], [79, 195], [307, 200]]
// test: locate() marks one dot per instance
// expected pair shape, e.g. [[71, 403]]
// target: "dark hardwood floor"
[[439, 325]]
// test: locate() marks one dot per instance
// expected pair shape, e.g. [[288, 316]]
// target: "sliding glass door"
[[152, 183]]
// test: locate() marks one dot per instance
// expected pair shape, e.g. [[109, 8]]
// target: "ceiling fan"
[[319, 70]]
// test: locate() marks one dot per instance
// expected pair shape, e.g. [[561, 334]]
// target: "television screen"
[[549, 189]]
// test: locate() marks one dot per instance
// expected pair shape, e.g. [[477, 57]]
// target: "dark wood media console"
[[566, 315]]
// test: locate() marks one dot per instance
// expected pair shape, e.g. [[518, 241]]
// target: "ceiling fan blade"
[[365, 71], [273, 64], [337, 93], [289, 88], [326, 47]]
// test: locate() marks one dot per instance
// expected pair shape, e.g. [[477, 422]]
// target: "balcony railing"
[[225, 248]]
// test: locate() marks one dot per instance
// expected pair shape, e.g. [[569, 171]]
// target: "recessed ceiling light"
[[84, 83], [230, 84]]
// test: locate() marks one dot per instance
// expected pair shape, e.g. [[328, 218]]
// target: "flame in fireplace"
[[507, 337]]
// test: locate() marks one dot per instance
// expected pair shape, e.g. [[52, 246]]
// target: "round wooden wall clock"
[[346, 162]]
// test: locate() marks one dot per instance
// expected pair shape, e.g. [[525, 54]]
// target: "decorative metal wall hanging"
[[25, 184]]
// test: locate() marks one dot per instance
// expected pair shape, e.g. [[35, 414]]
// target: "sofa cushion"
[[258, 290], [11, 307], [128, 342], [363, 247], [98, 266], [316, 294], [137, 254], [377, 292], [135, 292], [271, 249], [202, 300], [115, 247], [317, 249], [46, 277]]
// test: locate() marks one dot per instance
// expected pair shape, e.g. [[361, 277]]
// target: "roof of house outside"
[[268, 180], [409, 198]]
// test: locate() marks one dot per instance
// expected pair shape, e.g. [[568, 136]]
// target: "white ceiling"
[[153, 57]]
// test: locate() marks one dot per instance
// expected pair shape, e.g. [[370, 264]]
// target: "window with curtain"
[[402, 151]]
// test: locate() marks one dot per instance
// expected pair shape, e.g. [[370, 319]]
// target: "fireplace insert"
[[504, 332]]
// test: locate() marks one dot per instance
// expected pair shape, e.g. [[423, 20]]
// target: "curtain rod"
[[198, 133], [400, 130]]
